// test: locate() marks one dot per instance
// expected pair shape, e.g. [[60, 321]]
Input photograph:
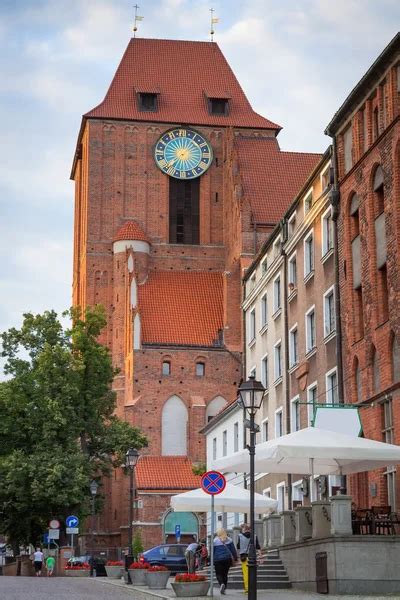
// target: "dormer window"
[[147, 98], [147, 102], [218, 106], [218, 102]]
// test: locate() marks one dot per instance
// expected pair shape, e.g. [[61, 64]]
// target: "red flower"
[[82, 567], [114, 563], [139, 565], [157, 568], [189, 578]]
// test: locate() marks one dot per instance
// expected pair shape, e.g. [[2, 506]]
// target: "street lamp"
[[94, 486], [132, 457], [251, 394]]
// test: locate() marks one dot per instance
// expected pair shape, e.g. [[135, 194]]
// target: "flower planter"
[[76, 572], [157, 580], [114, 571], [138, 576], [190, 589]]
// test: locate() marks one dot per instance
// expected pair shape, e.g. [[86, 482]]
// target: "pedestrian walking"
[[191, 553], [243, 548], [38, 561], [50, 564], [225, 556]]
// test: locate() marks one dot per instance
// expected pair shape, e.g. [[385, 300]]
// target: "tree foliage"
[[57, 427]]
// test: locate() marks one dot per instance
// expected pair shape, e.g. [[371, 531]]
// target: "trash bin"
[[321, 572], [128, 562]]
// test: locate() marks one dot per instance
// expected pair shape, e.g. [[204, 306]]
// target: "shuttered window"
[[184, 211]]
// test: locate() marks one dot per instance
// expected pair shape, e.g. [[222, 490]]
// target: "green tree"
[[137, 544], [57, 427]]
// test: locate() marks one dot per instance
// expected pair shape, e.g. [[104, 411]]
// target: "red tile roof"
[[181, 71], [131, 231], [181, 308], [165, 473], [272, 178]]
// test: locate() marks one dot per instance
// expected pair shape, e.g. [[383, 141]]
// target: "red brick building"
[[366, 133], [162, 243]]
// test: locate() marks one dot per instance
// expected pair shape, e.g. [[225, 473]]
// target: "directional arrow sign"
[[72, 521]]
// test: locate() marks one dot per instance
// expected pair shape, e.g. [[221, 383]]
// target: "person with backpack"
[[225, 556], [243, 548]]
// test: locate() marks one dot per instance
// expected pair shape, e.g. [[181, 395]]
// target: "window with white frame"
[[292, 224], [278, 360], [277, 293], [292, 273], [264, 266], [308, 202], [277, 247], [267, 492], [224, 443], [309, 254], [214, 448], [297, 491], [310, 329], [253, 372], [236, 437], [293, 350], [278, 423], [264, 431], [252, 325], [332, 395], [295, 414], [327, 231], [329, 312], [252, 281], [264, 371], [312, 393], [280, 495], [264, 311], [325, 177]]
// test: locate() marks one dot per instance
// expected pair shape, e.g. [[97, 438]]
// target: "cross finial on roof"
[[213, 21], [137, 18]]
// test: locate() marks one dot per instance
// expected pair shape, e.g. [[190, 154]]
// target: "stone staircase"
[[271, 574]]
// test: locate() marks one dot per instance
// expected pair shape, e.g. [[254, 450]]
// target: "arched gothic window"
[[174, 421], [357, 380], [376, 384], [395, 359], [214, 407]]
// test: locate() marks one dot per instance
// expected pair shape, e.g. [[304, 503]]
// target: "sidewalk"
[[143, 593]]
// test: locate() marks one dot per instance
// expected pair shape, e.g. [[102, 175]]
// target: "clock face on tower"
[[183, 153]]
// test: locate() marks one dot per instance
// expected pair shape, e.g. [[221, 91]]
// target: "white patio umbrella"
[[232, 499], [313, 450]]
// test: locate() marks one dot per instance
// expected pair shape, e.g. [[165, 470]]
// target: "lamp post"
[[93, 490], [251, 394], [132, 456]]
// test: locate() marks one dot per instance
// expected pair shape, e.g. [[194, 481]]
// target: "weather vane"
[[137, 18], [213, 21]]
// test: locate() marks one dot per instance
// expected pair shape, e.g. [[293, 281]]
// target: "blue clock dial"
[[183, 153]]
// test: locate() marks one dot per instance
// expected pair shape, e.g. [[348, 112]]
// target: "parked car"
[[171, 556], [99, 563]]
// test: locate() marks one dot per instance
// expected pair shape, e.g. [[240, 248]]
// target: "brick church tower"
[[168, 215]]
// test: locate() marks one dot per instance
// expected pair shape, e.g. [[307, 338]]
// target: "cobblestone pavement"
[[68, 588], [238, 595]]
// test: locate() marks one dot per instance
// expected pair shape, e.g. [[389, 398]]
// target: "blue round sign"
[[213, 483], [72, 521]]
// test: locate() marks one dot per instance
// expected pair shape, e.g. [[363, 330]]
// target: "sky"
[[296, 61]]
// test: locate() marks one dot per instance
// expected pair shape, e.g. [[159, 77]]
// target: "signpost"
[[213, 483], [178, 533], [72, 528]]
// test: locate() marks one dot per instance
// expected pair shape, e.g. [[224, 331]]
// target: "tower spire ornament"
[[213, 21], [137, 19]]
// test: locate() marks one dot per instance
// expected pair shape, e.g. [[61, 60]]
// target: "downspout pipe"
[[284, 236], [335, 202]]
